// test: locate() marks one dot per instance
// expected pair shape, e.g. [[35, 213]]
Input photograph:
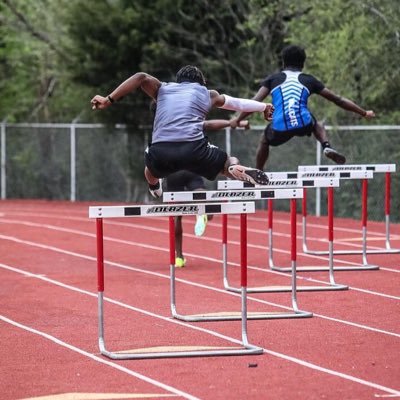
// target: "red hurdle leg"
[[171, 228], [330, 234], [243, 250], [243, 274], [364, 217], [225, 249], [100, 281], [387, 193], [100, 254], [293, 251], [387, 208], [171, 225], [304, 203], [224, 229]]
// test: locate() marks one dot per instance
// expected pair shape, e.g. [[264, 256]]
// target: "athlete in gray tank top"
[[178, 141], [181, 110]]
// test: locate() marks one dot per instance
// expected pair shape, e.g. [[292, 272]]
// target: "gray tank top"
[[181, 111]]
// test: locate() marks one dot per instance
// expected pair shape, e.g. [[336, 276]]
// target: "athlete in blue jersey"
[[290, 90], [178, 140]]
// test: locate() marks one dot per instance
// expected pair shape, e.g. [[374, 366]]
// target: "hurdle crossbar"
[[330, 183], [387, 169], [254, 194], [101, 212], [282, 182], [364, 176], [344, 175]]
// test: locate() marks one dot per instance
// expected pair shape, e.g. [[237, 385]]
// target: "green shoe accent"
[[180, 262], [201, 223]]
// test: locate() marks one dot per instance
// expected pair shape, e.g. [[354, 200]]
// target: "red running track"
[[48, 323]]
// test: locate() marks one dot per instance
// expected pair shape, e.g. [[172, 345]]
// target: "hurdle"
[[300, 180], [101, 212], [253, 194], [387, 169], [343, 175]]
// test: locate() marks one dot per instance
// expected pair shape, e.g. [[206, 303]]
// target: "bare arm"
[[218, 124], [346, 104], [149, 84]]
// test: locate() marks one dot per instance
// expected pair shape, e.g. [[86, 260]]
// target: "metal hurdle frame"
[[101, 212], [300, 181], [388, 169], [364, 175], [253, 194]]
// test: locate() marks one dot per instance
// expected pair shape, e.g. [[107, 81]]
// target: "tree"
[[353, 46]]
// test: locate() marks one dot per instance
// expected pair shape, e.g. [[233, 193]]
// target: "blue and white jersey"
[[181, 110], [290, 91]]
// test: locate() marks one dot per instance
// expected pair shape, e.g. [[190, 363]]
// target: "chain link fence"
[[93, 162]]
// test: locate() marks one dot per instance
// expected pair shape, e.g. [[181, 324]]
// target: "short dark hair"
[[190, 73], [293, 56]]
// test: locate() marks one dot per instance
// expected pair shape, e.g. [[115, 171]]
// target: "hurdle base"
[[285, 289], [236, 316], [198, 351], [317, 268], [349, 252]]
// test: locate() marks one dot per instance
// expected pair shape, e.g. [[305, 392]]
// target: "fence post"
[[228, 140], [3, 159], [73, 159]]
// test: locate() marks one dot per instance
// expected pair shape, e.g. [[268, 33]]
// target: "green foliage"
[[59, 54], [354, 48], [33, 60], [55, 55]]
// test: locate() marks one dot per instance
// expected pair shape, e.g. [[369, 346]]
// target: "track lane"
[[309, 376], [199, 269]]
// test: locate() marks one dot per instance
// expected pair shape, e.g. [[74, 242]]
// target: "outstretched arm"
[[237, 104], [346, 104], [262, 93], [149, 84]]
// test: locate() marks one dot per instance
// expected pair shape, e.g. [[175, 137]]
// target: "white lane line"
[[82, 233], [257, 219], [52, 214], [145, 227], [160, 230], [165, 276], [99, 359], [135, 269], [213, 333]]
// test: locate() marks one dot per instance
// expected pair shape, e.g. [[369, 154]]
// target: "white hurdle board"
[[246, 194], [101, 212], [347, 168], [299, 180], [387, 169], [285, 180], [221, 195], [166, 210]]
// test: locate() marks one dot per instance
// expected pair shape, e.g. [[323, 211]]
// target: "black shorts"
[[184, 180], [276, 138], [200, 157]]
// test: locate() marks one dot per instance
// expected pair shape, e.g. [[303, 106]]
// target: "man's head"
[[293, 57], [189, 73]]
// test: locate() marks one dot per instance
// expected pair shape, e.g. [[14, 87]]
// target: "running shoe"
[[201, 223], [156, 190], [180, 262], [252, 175], [334, 155]]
